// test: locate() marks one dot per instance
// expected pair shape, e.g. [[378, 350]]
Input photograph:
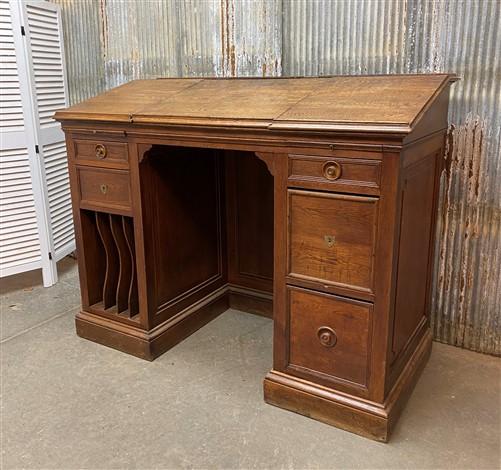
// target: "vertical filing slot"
[[128, 228], [93, 257], [112, 266], [124, 262]]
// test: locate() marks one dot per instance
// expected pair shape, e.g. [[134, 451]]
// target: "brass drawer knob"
[[101, 151], [327, 336], [104, 188], [332, 170]]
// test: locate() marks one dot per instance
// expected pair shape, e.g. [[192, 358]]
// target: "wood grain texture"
[[249, 203], [183, 229], [121, 103], [385, 99], [124, 262], [92, 259], [332, 239], [104, 189], [367, 418], [354, 174], [415, 239], [112, 273], [329, 338], [396, 101], [101, 153], [133, 300]]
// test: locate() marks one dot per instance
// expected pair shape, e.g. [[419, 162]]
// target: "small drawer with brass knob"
[[106, 154], [356, 175], [104, 188]]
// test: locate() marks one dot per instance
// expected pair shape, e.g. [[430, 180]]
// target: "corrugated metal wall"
[[397, 36], [109, 42]]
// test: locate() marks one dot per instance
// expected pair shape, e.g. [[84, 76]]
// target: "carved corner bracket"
[[269, 159]]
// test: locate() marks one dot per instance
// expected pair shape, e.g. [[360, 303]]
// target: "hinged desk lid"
[[391, 103]]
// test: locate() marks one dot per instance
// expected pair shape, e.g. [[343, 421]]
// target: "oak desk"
[[310, 200]]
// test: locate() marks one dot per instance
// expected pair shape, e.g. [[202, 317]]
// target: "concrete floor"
[[68, 403]]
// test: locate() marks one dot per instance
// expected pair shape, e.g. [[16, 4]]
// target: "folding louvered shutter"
[[46, 63], [20, 244], [36, 226]]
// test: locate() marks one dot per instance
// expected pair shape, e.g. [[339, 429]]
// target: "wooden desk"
[[310, 200]]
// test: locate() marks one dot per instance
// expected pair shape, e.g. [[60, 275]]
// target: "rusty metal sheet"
[[109, 42]]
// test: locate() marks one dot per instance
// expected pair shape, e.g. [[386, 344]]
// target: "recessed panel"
[[249, 194], [109, 189], [183, 223], [332, 239], [329, 336], [413, 260]]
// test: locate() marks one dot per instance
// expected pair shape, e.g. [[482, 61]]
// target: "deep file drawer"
[[329, 337], [331, 240]]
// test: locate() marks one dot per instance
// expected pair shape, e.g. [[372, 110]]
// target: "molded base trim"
[[363, 417], [151, 344], [251, 301]]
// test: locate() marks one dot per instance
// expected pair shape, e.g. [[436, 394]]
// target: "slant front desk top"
[[308, 200], [390, 103]]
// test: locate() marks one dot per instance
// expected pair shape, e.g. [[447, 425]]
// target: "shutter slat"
[[18, 222]]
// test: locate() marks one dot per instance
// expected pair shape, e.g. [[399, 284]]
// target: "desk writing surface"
[[390, 100], [122, 102]]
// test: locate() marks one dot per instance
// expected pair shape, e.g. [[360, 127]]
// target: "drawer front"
[[343, 174], [109, 189], [332, 240], [102, 152], [329, 337]]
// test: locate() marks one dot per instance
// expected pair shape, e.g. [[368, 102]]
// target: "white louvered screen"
[[20, 248], [46, 60], [45, 47], [36, 227]]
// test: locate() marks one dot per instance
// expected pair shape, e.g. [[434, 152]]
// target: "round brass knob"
[[101, 151], [332, 170], [327, 336]]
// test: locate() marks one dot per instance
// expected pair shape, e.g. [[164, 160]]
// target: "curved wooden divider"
[[124, 261], [133, 298], [111, 253], [119, 287]]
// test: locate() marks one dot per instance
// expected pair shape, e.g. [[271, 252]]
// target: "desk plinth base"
[[148, 344], [151, 344], [368, 419]]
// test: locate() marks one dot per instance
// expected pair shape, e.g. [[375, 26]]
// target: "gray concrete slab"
[[25, 303], [69, 403]]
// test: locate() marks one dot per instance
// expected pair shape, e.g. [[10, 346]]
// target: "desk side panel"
[[418, 199]]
